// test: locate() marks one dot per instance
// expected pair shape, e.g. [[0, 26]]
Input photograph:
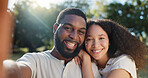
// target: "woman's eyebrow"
[[101, 35], [88, 35], [98, 35]]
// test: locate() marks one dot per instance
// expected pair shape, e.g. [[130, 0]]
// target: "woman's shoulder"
[[123, 62], [122, 59]]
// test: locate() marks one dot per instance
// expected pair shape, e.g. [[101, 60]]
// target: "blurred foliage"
[[98, 10], [34, 25], [33, 28], [133, 14]]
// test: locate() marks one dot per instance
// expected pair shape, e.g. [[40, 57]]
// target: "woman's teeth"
[[97, 51]]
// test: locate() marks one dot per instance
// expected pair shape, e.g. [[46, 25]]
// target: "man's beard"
[[60, 48]]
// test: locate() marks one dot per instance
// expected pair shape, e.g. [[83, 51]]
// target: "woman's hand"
[[77, 61], [83, 55], [84, 61]]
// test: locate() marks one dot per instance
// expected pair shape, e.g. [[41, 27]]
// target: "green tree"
[[30, 30], [132, 14], [34, 25]]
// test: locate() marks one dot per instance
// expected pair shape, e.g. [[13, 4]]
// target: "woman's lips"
[[96, 51]]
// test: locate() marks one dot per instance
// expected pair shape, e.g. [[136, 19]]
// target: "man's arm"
[[16, 70]]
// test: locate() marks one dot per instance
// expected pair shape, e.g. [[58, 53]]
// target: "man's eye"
[[67, 28], [81, 32]]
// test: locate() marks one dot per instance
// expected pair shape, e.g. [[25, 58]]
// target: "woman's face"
[[97, 42]]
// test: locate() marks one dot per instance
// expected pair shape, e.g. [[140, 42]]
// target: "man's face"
[[70, 35]]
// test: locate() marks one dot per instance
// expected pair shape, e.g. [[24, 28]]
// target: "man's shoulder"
[[38, 54]]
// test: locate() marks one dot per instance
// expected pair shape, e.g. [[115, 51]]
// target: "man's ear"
[[55, 26]]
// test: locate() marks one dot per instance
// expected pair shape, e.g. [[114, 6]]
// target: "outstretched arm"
[[16, 70]]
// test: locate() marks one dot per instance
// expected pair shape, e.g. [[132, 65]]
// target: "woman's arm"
[[85, 64], [119, 73]]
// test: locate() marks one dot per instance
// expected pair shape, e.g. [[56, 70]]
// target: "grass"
[[141, 73]]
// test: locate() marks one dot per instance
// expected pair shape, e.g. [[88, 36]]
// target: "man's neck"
[[56, 54]]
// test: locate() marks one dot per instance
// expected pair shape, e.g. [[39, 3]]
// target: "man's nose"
[[74, 35]]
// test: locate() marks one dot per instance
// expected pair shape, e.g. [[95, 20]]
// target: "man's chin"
[[69, 51], [65, 51]]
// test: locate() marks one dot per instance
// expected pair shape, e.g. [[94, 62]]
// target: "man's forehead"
[[73, 20], [72, 17]]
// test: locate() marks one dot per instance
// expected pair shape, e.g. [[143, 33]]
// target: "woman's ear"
[[55, 26]]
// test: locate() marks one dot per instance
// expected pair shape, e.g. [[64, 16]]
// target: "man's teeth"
[[97, 51], [70, 44]]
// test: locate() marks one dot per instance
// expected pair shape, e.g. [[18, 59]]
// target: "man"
[[69, 34]]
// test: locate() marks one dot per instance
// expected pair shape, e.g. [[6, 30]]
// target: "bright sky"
[[11, 3], [45, 3], [42, 3]]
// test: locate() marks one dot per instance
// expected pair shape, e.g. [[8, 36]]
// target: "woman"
[[115, 51]]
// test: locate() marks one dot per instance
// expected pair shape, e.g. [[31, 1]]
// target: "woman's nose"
[[96, 43]]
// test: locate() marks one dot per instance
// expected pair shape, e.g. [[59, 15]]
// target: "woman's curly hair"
[[122, 41]]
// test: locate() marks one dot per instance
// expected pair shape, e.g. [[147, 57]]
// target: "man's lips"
[[70, 44]]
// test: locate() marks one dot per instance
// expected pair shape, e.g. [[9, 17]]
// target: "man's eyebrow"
[[67, 24], [72, 25], [83, 28]]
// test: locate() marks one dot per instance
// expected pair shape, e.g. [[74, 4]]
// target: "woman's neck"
[[101, 63]]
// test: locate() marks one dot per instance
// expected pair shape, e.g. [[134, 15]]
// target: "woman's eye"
[[88, 39], [101, 38]]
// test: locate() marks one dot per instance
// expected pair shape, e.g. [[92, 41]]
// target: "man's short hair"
[[70, 11]]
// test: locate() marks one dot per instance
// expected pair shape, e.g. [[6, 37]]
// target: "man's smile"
[[70, 45]]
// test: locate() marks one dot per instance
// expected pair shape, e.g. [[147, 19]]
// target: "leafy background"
[[33, 30]]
